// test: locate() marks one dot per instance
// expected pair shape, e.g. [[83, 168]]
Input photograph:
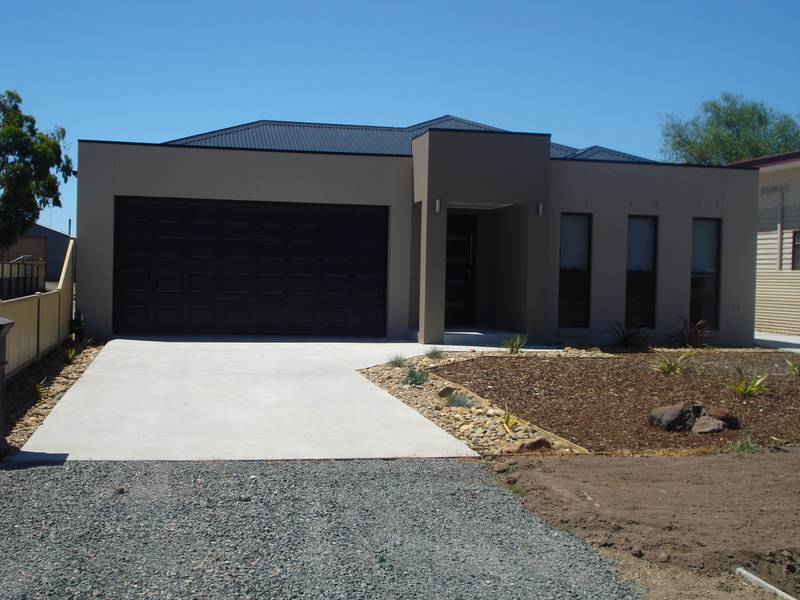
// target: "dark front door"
[[223, 267], [459, 299]]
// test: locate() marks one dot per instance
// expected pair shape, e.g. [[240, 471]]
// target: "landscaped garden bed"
[[602, 401], [34, 392]]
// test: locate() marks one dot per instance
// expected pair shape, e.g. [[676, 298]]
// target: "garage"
[[189, 266]]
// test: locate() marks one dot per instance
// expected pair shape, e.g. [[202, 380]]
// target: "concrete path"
[[190, 399], [790, 343]]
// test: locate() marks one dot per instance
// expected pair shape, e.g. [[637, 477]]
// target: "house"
[[43, 244], [778, 262], [318, 229]]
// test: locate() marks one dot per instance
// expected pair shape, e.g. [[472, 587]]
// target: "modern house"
[[778, 263], [319, 229]]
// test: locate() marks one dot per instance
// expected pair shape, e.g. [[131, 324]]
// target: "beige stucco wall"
[[613, 191], [488, 170], [108, 170], [778, 286]]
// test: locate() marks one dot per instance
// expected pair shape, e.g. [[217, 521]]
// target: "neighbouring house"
[[43, 244], [319, 229], [778, 262]]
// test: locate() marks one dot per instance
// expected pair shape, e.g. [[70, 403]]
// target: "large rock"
[[706, 424], [530, 445], [724, 415], [676, 417]]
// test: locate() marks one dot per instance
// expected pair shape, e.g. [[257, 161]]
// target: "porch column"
[[432, 265]]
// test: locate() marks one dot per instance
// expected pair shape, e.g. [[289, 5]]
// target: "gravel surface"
[[350, 529]]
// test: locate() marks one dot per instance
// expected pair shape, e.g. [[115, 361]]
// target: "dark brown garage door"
[[210, 267]]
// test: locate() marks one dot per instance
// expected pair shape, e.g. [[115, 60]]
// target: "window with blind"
[[705, 271], [575, 272], [640, 283]]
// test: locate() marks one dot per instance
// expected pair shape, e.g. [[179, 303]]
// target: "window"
[[574, 280], [640, 283], [796, 251], [705, 272]]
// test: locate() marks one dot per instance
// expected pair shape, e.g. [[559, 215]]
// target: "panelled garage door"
[[211, 266]]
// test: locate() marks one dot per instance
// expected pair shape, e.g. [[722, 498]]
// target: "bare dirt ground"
[[679, 525], [32, 393], [602, 402]]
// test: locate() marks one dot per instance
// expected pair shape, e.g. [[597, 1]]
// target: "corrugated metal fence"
[[41, 320]]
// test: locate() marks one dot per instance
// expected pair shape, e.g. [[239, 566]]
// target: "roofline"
[[479, 131], [640, 163], [183, 147], [411, 127], [770, 159]]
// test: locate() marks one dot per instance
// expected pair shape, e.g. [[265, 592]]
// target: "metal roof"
[[292, 136]]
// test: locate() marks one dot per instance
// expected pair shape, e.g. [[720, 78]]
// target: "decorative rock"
[[446, 391], [708, 424], [637, 553], [724, 415], [663, 556], [675, 417], [537, 443], [499, 468]]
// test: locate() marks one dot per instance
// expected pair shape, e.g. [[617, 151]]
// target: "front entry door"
[[459, 307]]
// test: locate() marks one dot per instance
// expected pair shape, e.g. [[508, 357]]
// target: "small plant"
[[628, 337], [515, 343], [776, 444], [41, 388], [69, 354], [794, 368], [690, 336], [746, 445], [434, 353], [509, 420], [667, 365], [747, 387], [397, 361], [457, 399], [517, 490], [415, 377]]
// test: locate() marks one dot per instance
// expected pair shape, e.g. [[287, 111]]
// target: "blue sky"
[[587, 72]]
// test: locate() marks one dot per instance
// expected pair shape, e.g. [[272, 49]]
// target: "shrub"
[[691, 336], [668, 365], [434, 353], [41, 388], [746, 445], [69, 354], [515, 343], [415, 377], [458, 399], [397, 361], [747, 387], [628, 337], [794, 368]]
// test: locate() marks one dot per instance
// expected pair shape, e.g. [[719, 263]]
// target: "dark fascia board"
[[182, 147], [479, 131], [653, 164]]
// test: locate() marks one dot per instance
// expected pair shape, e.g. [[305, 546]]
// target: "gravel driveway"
[[354, 529]]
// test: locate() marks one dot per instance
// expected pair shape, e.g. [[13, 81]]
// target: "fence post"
[[5, 326]]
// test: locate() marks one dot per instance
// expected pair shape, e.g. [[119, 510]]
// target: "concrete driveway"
[[190, 399]]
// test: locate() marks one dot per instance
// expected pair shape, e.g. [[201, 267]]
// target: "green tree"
[[32, 164], [728, 129]]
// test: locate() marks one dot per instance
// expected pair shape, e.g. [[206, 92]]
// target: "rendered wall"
[[613, 191], [117, 169]]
